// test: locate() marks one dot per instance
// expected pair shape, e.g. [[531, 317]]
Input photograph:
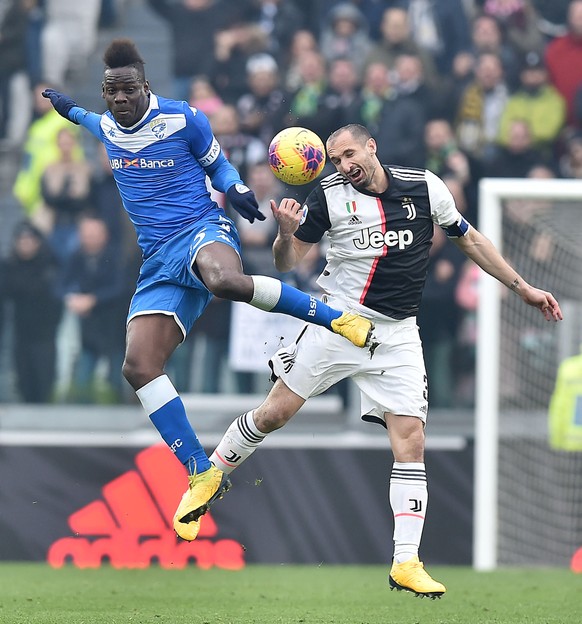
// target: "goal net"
[[528, 491]]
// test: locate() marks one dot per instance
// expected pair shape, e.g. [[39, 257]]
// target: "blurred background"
[[469, 89]]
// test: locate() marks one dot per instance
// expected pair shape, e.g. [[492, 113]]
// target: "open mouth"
[[356, 175]]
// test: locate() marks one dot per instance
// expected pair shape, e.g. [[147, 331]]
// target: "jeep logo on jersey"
[[141, 163], [376, 240], [159, 128]]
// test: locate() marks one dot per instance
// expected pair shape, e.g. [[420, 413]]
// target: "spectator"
[[487, 37], [411, 83], [94, 289], [345, 35], [570, 164], [400, 132], [203, 96], [438, 329], [564, 59], [262, 108], [440, 28], [518, 157], [452, 86], [396, 40], [69, 37], [372, 11], [519, 19], [536, 102], [443, 155], [257, 238], [66, 191], [193, 24], [303, 41], [242, 149], [279, 20], [234, 45], [31, 287], [553, 17], [480, 108], [13, 26], [305, 101], [339, 97], [40, 149], [376, 90], [467, 301]]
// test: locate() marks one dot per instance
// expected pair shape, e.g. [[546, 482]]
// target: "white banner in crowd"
[[255, 335]]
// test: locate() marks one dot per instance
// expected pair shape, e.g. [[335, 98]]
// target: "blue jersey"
[[160, 166]]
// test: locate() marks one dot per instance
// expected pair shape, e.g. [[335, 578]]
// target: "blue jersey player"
[[161, 152]]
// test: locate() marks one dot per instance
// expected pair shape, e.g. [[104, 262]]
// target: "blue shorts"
[[167, 283]]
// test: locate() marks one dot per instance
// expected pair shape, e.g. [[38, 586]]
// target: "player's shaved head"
[[124, 53], [358, 132]]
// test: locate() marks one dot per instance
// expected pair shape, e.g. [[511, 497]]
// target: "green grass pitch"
[[37, 594]]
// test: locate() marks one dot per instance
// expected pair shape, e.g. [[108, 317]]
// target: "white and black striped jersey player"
[[377, 258], [379, 223]]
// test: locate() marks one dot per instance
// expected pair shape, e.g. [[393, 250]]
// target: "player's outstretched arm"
[[62, 103], [67, 107], [482, 251]]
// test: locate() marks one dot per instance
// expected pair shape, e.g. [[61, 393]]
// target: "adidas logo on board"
[[132, 526]]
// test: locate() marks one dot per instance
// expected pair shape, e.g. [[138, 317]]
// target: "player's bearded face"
[[126, 95], [354, 160]]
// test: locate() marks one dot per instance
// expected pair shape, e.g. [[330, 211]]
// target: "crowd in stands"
[[466, 88]]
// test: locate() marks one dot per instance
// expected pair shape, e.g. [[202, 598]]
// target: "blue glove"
[[61, 103], [243, 200]]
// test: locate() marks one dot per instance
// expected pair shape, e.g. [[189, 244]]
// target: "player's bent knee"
[[138, 374], [233, 288]]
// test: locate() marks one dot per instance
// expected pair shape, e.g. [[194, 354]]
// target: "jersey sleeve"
[[90, 121], [443, 208], [207, 151], [315, 220]]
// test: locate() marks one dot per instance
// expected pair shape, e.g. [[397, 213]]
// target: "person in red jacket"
[[564, 59]]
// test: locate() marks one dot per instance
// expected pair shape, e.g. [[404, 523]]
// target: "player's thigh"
[[316, 360], [152, 338], [394, 379]]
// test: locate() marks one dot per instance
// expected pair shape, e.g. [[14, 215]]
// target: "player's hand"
[[243, 200], [545, 302], [288, 214], [61, 103]]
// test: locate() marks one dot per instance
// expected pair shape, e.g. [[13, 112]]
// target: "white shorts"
[[392, 379]]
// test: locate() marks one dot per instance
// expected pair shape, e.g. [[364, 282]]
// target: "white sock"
[[408, 499], [239, 442], [267, 292]]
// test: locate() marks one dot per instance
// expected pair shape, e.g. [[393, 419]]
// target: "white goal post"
[[492, 195]]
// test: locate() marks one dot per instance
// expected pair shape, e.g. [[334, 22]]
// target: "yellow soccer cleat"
[[411, 576], [203, 489], [356, 328]]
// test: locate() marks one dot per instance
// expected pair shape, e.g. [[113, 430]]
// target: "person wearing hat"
[[536, 102]]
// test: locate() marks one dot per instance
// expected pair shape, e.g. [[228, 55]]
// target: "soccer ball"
[[296, 155]]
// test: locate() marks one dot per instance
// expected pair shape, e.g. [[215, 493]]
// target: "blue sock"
[[175, 428], [296, 303], [166, 411]]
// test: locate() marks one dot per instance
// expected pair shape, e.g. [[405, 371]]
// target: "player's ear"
[[371, 145], [146, 87], [103, 90]]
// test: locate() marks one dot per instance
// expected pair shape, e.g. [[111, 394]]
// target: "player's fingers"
[[551, 309]]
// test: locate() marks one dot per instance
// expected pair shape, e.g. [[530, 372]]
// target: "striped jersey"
[[379, 245]]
